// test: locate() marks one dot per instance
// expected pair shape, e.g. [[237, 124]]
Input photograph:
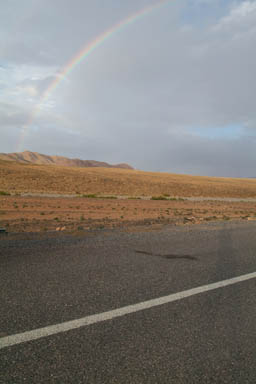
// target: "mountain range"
[[28, 157]]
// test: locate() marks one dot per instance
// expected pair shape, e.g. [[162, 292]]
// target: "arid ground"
[[33, 214], [17, 178], [84, 207]]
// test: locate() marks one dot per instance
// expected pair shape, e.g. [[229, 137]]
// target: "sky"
[[172, 90]]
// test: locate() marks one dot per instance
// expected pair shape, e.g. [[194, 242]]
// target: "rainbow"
[[82, 55]]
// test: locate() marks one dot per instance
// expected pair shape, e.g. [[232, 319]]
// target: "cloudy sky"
[[173, 90]]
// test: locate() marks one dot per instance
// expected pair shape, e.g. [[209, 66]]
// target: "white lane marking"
[[92, 319]]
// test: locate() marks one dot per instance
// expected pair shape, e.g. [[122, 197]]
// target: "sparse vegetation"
[[90, 196], [108, 197], [3, 193], [158, 198]]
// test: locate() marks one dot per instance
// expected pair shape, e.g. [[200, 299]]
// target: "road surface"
[[146, 329]]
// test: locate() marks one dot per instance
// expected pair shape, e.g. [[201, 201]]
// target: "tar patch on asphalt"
[[169, 256]]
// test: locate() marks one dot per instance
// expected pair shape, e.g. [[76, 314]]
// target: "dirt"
[[18, 178], [37, 214]]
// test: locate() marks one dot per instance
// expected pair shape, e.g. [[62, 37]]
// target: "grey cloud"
[[188, 79], [11, 115], [40, 85], [140, 95]]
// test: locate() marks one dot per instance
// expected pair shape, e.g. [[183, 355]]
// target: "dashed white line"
[[93, 319]]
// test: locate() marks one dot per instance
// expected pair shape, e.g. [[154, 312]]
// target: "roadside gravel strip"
[[224, 199]]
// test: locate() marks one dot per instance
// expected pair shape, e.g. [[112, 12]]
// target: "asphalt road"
[[205, 338]]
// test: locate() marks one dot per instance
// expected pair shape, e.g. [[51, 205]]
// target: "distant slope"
[[28, 157], [30, 178]]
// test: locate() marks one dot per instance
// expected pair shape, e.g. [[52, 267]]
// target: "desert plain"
[[42, 198]]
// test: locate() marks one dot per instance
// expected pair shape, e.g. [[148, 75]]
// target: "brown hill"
[[28, 157], [22, 178]]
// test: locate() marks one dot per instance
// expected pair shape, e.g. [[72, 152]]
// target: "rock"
[[189, 218]]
